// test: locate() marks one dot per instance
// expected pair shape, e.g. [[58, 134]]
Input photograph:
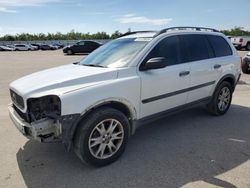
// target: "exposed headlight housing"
[[44, 107]]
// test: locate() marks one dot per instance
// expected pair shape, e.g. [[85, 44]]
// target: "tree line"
[[236, 31], [72, 35]]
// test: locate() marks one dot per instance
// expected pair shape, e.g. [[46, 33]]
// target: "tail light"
[[241, 40]]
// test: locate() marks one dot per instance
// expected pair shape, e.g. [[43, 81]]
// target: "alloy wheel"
[[224, 99], [106, 138]]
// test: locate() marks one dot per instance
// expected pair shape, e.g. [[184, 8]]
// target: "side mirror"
[[155, 63]]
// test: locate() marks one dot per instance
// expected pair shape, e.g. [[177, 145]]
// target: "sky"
[[51, 16]]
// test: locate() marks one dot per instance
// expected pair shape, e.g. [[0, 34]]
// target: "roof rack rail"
[[135, 32], [185, 28]]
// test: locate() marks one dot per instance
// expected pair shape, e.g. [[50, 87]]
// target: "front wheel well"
[[113, 104], [116, 105]]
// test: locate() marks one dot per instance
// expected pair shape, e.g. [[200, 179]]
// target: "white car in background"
[[241, 42], [32, 47], [6, 48], [22, 47]]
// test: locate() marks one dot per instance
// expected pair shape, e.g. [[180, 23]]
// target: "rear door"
[[165, 88], [94, 46], [205, 70]]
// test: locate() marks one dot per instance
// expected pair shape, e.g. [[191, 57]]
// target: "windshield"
[[117, 53]]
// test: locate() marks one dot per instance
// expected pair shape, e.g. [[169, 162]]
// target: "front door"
[[165, 88]]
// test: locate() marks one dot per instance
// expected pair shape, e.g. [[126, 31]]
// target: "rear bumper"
[[44, 130]]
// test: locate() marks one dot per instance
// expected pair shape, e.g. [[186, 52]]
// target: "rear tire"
[[221, 99], [102, 136]]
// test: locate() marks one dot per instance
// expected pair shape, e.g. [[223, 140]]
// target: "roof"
[[152, 34], [141, 35]]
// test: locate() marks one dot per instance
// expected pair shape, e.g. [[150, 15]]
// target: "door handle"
[[217, 66], [184, 73]]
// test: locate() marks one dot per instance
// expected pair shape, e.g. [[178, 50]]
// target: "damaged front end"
[[42, 120], [44, 116]]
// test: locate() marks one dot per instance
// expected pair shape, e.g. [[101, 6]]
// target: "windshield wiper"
[[94, 65]]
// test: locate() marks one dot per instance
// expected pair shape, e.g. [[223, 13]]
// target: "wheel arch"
[[119, 104], [228, 78]]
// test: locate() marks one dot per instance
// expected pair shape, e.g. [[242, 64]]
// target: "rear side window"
[[168, 48], [197, 47], [220, 46]]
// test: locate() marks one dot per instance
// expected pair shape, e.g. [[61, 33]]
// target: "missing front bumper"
[[44, 130]]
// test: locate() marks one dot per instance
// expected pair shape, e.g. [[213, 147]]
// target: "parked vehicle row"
[[31, 47]]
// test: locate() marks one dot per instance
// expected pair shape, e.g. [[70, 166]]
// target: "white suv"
[[96, 104], [22, 47]]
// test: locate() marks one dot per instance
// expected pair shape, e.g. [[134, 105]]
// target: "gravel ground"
[[187, 149]]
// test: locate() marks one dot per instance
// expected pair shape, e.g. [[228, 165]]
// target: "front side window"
[[168, 48]]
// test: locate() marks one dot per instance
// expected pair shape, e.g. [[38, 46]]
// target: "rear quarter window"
[[220, 46]]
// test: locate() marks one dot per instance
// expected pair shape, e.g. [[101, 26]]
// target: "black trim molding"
[[148, 100], [165, 113]]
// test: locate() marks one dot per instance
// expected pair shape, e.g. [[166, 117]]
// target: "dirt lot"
[[189, 149]]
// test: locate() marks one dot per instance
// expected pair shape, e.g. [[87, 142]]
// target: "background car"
[[22, 47], [241, 42], [11, 46], [38, 45], [32, 47], [246, 64], [48, 47], [6, 48], [58, 45], [81, 47]]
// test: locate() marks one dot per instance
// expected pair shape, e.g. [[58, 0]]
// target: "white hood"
[[61, 79]]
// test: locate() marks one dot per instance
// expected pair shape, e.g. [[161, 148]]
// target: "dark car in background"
[[246, 64], [81, 47], [58, 45], [48, 47]]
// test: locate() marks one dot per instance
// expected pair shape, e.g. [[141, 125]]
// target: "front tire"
[[221, 99], [102, 136], [70, 52], [248, 46], [244, 68]]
